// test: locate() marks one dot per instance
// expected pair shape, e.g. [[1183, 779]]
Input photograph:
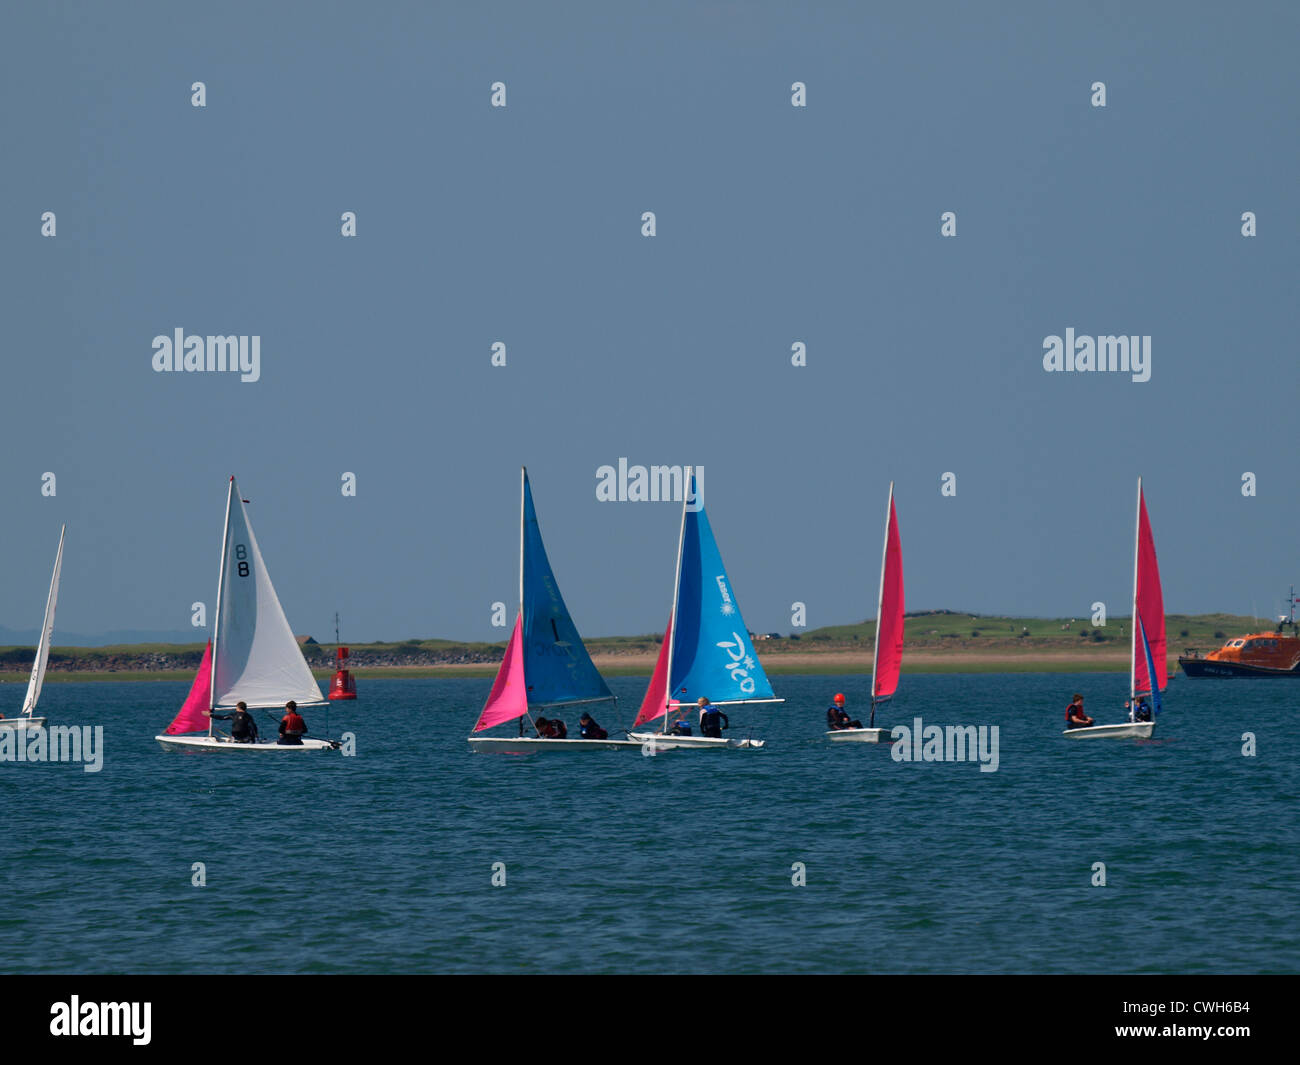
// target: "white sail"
[[47, 631], [255, 657]]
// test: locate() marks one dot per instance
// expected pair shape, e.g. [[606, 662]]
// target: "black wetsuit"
[[709, 723], [837, 718], [592, 731], [243, 729]]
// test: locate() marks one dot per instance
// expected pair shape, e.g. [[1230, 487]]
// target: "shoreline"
[[823, 663]]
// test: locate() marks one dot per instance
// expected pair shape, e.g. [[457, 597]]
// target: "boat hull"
[[529, 745], [23, 722], [217, 743], [861, 735], [1128, 730], [661, 741], [1208, 667]]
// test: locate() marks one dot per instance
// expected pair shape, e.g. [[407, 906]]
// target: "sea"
[[414, 855]]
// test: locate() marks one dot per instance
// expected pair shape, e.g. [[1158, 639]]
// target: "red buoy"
[[342, 686]]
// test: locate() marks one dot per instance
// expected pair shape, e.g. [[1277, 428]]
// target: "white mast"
[[1132, 658], [880, 599], [216, 619], [677, 583], [47, 629]]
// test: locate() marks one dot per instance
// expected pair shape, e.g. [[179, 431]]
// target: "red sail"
[[193, 716], [889, 618], [656, 696], [1150, 603]]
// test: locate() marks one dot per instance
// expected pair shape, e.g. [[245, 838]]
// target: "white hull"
[[23, 722], [531, 745], [861, 735], [219, 743], [667, 742], [1130, 730]]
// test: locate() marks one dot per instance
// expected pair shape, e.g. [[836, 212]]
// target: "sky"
[[522, 225]]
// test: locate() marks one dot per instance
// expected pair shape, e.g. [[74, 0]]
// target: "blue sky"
[[522, 225]]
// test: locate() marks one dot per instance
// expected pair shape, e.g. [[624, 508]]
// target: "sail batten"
[[47, 634]]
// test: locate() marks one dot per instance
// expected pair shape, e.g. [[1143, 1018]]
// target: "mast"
[[216, 618], [677, 584], [880, 598], [1132, 658]]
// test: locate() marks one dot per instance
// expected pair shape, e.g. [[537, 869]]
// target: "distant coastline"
[[936, 642]]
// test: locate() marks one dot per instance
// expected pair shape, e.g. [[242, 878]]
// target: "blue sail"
[[557, 667], [712, 655], [1151, 667]]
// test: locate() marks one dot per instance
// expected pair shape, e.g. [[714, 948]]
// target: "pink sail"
[[1149, 602], [509, 697], [192, 717], [889, 618], [655, 702]]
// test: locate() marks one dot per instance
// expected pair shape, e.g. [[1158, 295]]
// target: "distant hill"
[[9, 637]]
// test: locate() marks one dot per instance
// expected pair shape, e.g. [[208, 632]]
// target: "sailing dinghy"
[[546, 665], [706, 649], [1148, 661], [887, 658], [252, 657], [28, 719]]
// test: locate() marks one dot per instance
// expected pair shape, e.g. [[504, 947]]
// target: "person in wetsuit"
[[712, 720], [243, 729], [837, 717], [681, 727], [1141, 710], [1074, 715], [559, 730], [292, 726], [590, 730]]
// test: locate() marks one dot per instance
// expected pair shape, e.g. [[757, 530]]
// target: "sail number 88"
[[241, 556]]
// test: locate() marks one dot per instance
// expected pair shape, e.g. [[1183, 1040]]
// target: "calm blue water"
[[680, 862]]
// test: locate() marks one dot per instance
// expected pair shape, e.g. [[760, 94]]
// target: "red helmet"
[[839, 697]]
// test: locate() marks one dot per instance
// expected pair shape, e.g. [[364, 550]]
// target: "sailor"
[[681, 727], [590, 730], [243, 729], [1074, 715], [544, 731], [559, 730], [709, 719], [292, 726], [1141, 710], [837, 717]]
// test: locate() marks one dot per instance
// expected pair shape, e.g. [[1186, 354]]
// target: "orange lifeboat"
[[1258, 654]]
